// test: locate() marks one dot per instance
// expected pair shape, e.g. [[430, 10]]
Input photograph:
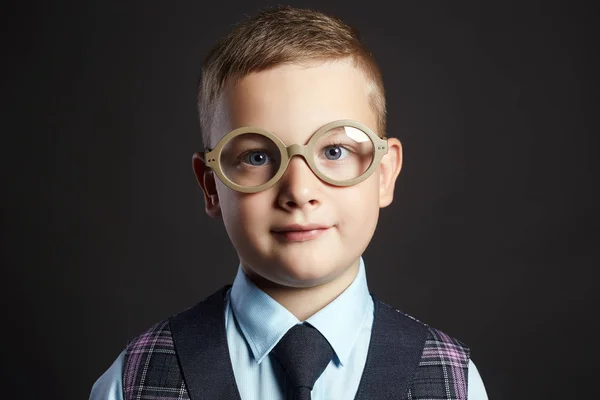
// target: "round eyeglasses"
[[341, 153]]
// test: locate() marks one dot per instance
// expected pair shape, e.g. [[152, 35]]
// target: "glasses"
[[341, 153]]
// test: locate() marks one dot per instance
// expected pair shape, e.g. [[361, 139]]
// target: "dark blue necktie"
[[303, 353]]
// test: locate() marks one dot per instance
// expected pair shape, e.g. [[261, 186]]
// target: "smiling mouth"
[[301, 235]]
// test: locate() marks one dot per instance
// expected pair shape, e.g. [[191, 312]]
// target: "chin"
[[305, 281], [306, 274]]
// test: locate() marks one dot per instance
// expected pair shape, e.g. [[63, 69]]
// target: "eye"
[[256, 158], [335, 152]]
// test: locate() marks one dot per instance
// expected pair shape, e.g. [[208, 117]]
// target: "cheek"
[[254, 208], [244, 213], [361, 206]]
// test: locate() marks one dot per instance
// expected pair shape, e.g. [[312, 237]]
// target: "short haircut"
[[284, 35]]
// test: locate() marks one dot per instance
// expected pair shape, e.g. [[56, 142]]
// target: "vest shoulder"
[[446, 345], [445, 348], [157, 336], [442, 372], [151, 366], [160, 335]]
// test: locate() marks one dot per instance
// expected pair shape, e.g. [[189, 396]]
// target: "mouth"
[[300, 233]]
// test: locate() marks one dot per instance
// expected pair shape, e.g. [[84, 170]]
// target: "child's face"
[[293, 101]]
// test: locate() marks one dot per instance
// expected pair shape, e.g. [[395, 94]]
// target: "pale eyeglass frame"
[[212, 156]]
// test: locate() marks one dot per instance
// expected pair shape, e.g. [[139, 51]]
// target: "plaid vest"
[[186, 357]]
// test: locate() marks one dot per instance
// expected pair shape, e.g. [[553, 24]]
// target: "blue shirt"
[[255, 322]]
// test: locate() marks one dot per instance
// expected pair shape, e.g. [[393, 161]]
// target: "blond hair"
[[278, 36]]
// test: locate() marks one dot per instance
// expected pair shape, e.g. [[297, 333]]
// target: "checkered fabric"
[[151, 369], [442, 371]]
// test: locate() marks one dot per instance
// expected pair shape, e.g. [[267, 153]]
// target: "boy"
[[298, 322]]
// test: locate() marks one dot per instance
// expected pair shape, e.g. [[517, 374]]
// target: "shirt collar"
[[263, 321]]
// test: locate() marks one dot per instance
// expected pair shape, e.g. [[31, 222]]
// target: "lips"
[[297, 227], [300, 233]]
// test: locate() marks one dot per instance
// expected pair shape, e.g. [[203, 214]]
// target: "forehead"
[[293, 101]]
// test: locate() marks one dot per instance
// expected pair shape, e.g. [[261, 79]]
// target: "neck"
[[303, 302]]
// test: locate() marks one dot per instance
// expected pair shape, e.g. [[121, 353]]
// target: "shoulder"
[[442, 369], [156, 340], [437, 344], [152, 358], [150, 361], [109, 385], [157, 336], [445, 349], [160, 337]]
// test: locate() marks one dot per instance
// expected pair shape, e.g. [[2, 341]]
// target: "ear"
[[206, 180], [390, 167]]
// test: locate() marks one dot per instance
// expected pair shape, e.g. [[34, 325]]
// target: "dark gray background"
[[492, 236]]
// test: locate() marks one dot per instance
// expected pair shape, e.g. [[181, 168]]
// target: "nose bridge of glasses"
[[296, 150]]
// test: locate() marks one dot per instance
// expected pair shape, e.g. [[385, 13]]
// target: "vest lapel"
[[395, 349], [201, 344]]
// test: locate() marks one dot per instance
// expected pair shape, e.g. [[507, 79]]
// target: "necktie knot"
[[304, 353]]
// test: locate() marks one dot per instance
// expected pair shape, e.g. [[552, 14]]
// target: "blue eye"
[[256, 158], [334, 152]]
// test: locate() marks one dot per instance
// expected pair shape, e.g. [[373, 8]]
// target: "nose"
[[298, 186]]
